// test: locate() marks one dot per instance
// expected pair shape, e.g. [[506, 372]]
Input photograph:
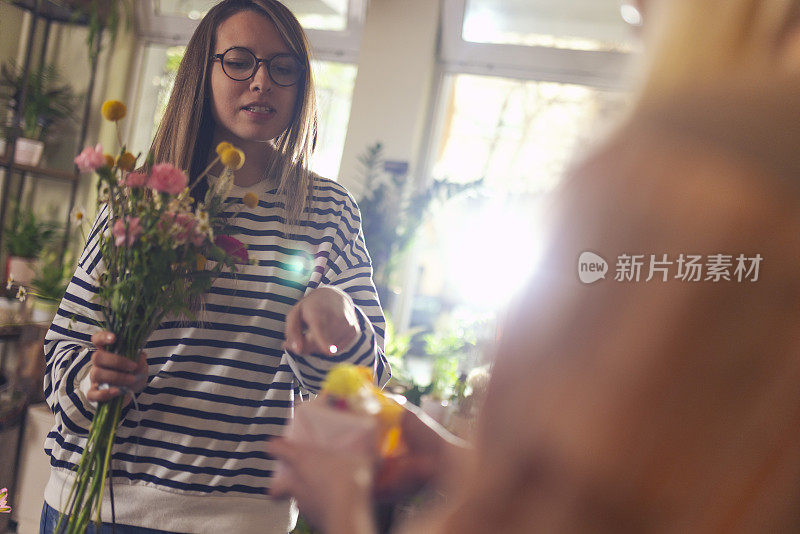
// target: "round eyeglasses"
[[241, 64]]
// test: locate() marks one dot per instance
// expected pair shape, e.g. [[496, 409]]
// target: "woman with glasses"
[[663, 406], [190, 452]]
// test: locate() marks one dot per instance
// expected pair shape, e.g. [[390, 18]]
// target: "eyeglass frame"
[[266, 61]]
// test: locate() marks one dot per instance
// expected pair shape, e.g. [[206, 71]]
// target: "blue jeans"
[[50, 520]]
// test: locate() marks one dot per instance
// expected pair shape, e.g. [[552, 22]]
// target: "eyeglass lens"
[[240, 64]]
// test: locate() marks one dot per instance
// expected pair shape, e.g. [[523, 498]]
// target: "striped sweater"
[[190, 457]]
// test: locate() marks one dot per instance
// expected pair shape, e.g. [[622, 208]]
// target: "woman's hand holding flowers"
[[114, 373]]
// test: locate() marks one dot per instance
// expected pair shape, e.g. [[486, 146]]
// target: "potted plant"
[[100, 15], [48, 101], [48, 286], [392, 211], [25, 238]]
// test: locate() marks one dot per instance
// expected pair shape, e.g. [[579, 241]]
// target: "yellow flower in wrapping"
[[109, 160], [344, 381], [201, 262], [126, 161], [222, 147], [113, 110], [391, 412], [250, 200], [233, 158]]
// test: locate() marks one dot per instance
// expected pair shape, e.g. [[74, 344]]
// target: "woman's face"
[[255, 110]]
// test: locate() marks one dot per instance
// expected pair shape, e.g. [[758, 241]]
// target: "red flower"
[[233, 247]]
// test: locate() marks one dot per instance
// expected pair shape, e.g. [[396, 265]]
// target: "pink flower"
[[90, 159], [118, 230], [183, 227], [167, 179], [233, 247], [4, 507], [135, 179]]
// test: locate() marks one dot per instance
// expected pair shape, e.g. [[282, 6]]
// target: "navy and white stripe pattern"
[[220, 387]]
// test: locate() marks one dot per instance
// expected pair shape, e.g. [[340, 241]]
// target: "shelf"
[[54, 11], [40, 171], [10, 331]]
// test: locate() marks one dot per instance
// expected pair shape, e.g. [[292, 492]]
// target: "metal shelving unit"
[[44, 12]]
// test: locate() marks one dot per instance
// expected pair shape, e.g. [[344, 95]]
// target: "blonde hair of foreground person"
[[652, 406], [660, 406], [695, 42]]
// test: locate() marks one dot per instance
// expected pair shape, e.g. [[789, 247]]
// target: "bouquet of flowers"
[[350, 414], [161, 252]]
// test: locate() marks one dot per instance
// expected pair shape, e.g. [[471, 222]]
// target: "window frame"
[[609, 70], [596, 68], [327, 45]]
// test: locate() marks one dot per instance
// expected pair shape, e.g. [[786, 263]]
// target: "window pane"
[[572, 24], [313, 14], [334, 84], [520, 136]]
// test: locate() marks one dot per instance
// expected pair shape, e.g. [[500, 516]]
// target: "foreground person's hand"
[[431, 454], [332, 488], [118, 372]]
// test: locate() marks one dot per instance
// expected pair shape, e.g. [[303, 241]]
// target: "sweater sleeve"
[[351, 271], [67, 345]]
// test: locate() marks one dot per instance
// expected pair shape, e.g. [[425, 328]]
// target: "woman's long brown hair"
[[186, 131]]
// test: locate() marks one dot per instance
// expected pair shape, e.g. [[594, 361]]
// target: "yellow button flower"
[[250, 200], [113, 110], [109, 160], [233, 158], [126, 161], [222, 147], [344, 381]]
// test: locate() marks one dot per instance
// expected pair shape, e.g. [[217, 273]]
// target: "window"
[[576, 25], [480, 248], [522, 85], [333, 27]]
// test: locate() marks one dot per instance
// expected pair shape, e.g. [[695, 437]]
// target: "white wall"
[[393, 87]]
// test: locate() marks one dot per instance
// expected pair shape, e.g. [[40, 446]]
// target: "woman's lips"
[[259, 112]]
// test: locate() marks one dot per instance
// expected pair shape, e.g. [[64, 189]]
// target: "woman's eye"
[[237, 64]]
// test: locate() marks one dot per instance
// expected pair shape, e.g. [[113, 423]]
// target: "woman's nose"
[[261, 80]]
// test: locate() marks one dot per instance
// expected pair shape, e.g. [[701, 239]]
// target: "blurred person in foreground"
[[668, 405]]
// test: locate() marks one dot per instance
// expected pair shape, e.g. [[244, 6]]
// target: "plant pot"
[[44, 311], [21, 270], [28, 151]]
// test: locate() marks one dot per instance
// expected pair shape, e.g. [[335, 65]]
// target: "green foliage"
[[447, 348], [390, 214], [101, 15], [26, 236], [396, 347], [52, 279], [48, 100]]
